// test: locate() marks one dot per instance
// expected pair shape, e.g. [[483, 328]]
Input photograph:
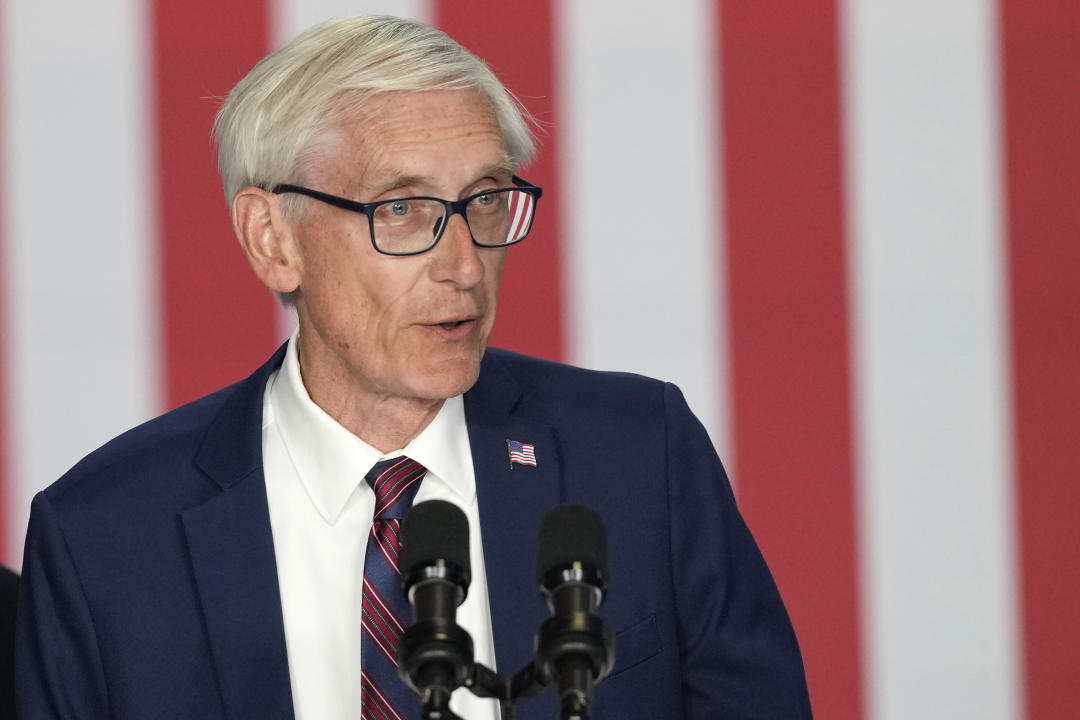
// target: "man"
[[215, 562]]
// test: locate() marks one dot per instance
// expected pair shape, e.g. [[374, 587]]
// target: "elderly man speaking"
[[221, 560]]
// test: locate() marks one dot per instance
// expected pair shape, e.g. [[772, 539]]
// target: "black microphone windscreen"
[[432, 531], [571, 533]]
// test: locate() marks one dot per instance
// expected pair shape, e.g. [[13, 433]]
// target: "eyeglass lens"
[[497, 218]]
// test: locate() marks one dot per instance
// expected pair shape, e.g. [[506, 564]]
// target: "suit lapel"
[[232, 555], [232, 550], [512, 501]]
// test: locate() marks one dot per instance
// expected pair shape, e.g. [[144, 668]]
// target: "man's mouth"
[[456, 328]]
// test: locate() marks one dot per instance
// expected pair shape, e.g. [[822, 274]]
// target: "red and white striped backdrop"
[[850, 230]]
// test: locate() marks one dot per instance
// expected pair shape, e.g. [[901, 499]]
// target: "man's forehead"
[[385, 109], [416, 139]]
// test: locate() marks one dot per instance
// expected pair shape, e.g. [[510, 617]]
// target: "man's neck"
[[386, 422]]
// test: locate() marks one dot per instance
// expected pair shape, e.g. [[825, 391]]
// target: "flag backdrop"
[[848, 229]]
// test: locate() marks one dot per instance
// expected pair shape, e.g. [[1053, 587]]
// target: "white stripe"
[[386, 704], [79, 228], [390, 470], [397, 488], [377, 638], [929, 341], [404, 484], [518, 209], [639, 190], [385, 547], [391, 560], [291, 17], [388, 612]]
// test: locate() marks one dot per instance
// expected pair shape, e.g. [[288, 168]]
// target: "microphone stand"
[[486, 683], [481, 681], [530, 681], [575, 649]]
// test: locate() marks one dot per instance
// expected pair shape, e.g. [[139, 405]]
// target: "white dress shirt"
[[321, 515]]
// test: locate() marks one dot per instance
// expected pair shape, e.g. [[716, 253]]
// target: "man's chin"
[[449, 378]]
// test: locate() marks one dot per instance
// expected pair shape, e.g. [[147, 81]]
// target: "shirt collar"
[[331, 462]]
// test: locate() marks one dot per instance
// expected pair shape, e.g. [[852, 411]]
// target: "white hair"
[[272, 123]]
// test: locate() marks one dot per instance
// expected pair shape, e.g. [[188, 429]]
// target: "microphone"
[[435, 655], [574, 648]]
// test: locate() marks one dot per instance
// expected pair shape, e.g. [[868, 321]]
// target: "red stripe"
[[218, 320], [392, 468], [385, 539], [380, 642], [401, 464], [375, 701], [391, 489], [1041, 72], [517, 43], [386, 481], [388, 534], [788, 304], [385, 644], [381, 608], [519, 204], [378, 620], [396, 493]]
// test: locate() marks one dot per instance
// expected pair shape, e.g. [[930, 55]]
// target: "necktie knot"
[[395, 483]]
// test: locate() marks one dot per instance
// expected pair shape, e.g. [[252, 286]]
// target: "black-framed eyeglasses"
[[413, 225]]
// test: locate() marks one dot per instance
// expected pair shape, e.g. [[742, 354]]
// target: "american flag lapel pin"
[[521, 453]]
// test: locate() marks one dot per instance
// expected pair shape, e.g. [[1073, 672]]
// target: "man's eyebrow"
[[505, 165], [394, 181]]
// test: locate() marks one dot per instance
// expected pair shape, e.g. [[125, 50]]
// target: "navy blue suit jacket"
[[150, 586]]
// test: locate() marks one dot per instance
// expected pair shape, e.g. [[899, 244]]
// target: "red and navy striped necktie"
[[385, 610]]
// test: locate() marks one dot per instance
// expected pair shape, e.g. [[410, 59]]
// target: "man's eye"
[[399, 207], [485, 200]]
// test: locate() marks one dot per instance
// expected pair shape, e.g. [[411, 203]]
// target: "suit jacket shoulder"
[[558, 392], [149, 460], [701, 631], [157, 558]]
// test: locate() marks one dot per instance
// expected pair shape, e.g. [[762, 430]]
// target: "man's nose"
[[457, 257]]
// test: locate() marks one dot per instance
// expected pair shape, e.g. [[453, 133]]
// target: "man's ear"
[[267, 239]]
